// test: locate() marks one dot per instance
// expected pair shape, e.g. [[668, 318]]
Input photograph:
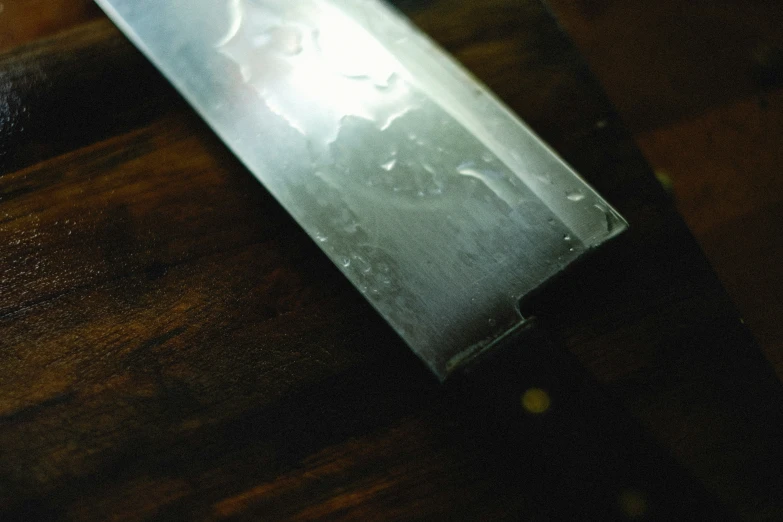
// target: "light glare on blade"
[[436, 202]]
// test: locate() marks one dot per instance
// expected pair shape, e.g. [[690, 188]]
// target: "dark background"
[[699, 83]]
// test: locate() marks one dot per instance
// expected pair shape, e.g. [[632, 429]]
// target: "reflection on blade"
[[313, 66], [435, 201]]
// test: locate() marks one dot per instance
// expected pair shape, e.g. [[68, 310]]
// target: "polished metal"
[[435, 201]]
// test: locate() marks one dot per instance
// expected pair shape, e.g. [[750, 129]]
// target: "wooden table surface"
[[172, 346], [700, 87]]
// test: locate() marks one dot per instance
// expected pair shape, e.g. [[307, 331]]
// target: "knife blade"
[[438, 204], [435, 201]]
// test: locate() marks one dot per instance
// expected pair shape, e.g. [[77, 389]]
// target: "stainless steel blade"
[[436, 202]]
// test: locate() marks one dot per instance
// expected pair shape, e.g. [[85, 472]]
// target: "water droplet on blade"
[[545, 178], [389, 165], [575, 195], [492, 179]]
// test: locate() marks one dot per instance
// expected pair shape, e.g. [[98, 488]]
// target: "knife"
[[433, 199]]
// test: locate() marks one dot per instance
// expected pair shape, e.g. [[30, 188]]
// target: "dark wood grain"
[[710, 127], [24, 21], [664, 61], [172, 346]]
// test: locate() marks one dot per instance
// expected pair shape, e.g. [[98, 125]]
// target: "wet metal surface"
[[437, 203]]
